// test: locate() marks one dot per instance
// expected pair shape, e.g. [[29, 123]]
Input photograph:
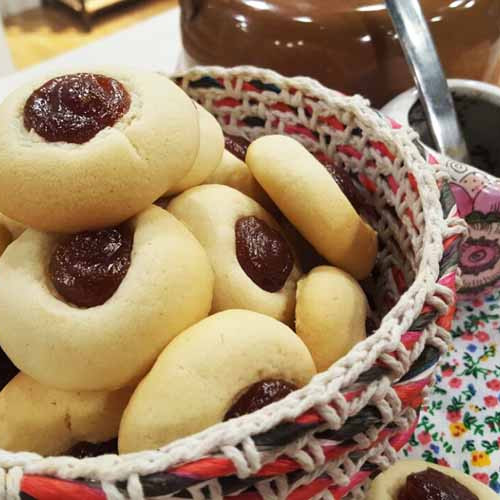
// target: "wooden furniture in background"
[[87, 9], [42, 33]]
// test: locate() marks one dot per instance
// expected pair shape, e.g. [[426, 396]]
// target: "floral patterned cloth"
[[460, 425]]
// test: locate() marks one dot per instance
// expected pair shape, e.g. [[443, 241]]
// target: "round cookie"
[[209, 153], [167, 288], [310, 198], [330, 314], [205, 370], [40, 419], [234, 173], [387, 485], [62, 184], [260, 278]]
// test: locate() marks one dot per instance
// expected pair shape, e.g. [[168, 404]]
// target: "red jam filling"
[[259, 395], [263, 253], [347, 186], [431, 484], [238, 146], [87, 268], [74, 108]]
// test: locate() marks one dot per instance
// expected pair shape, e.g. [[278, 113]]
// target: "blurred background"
[[33, 31]]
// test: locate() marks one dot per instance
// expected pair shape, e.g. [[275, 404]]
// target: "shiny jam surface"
[[263, 253], [238, 146], [259, 395], [74, 108], [87, 268], [86, 450], [7, 369], [347, 186], [431, 484]]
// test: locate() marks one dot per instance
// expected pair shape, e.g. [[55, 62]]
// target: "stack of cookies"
[[156, 276]]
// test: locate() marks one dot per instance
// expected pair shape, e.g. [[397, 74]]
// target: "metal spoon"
[[423, 60]]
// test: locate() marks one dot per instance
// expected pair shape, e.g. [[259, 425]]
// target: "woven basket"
[[326, 439]]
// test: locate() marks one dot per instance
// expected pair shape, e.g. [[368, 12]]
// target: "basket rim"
[[322, 387]]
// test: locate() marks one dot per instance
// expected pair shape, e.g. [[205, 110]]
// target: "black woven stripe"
[[374, 373], [265, 86], [205, 83], [367, 417], [429, 357], [423, 321], [162, 483], [282, 434], [254, 121], [25, 496]]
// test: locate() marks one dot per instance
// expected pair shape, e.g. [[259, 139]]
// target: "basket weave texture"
[[326, 439]]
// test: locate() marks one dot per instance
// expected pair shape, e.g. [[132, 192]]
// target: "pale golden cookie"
[[211, 213], [386, 486], [234, 173], [330, 314], [209, 154], [199, 376], [69, 187], [37, 418], [167, 288], [310, 198]]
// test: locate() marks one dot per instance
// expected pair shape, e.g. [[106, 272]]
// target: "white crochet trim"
[[417, 251]]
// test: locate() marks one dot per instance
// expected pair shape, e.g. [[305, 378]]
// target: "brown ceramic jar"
[[348, 45]]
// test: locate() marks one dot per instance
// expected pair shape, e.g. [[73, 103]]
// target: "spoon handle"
[[421, 56]]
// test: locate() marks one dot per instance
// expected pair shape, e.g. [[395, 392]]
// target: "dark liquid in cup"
[[480, 122]]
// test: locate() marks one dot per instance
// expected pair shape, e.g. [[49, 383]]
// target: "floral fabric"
[[460, 425]]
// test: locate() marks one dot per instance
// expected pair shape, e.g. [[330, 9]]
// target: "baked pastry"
[[309, 197], [209, 153], [330, 314], [233, 172], [229, 364], [253, 263], [414, 479], [92, 311], [37, 418], [90, 150]]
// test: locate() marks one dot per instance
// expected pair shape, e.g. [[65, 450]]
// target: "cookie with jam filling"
[[90, 149], [227, 365], [92, 310]]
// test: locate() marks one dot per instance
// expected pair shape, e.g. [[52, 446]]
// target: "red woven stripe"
[[382, 149], [48, 488]]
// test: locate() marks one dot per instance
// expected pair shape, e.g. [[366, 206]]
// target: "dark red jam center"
[[259, 395], [87, 268], [86, 450], [431, 484], [263, 253], [347, 186], [74, 108], [7, 369], [238, 146]]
